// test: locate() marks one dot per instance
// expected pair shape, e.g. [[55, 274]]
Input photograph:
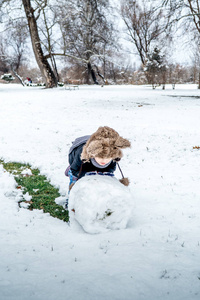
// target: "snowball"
[[101, 203]]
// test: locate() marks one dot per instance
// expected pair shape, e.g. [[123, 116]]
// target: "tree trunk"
[[92, 73], [199, 81], [100, 75], [18, 77], [42, 62]]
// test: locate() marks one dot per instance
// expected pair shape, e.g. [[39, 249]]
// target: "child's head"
[[104, 144]]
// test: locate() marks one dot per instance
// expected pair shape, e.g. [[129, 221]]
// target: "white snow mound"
[[101, 203]]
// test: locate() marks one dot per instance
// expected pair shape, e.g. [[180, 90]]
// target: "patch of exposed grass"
[[42, 192]]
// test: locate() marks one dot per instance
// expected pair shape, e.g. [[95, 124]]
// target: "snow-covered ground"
[[158, 255]]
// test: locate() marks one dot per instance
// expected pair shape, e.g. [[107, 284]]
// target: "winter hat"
[[104, 143]]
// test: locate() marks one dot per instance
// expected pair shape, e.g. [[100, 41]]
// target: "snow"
[[26, 172], [101, 203], [157, 256]]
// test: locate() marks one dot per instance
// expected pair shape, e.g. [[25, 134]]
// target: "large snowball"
[[101, 203]]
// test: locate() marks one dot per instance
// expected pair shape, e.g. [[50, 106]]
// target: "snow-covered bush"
[[7, 77]]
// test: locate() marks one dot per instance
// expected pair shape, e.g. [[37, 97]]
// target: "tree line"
[[84, 36]]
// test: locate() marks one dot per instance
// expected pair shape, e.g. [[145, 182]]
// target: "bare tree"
[[196, 61], [16, 40], [32, 10], [81, 30], [4, 67], [187, 14], [13, 43], [187, 11], [87, 33], [49, 32], [42, 61], [145, 23]]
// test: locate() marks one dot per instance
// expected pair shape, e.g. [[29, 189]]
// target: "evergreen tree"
[[155, 68]]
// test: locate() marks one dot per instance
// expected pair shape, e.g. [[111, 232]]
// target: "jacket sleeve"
[[75, 160]]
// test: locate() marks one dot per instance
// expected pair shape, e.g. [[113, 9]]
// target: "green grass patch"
[[42, 192]]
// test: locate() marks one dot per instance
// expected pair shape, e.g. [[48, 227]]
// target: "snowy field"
[[158, 256]]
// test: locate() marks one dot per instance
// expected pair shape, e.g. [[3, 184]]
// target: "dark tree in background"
[[155, 68]]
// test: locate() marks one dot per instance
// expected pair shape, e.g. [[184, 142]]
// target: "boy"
[[96, 154]]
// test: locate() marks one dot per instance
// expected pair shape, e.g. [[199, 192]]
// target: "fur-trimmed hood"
[[104, 143]]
